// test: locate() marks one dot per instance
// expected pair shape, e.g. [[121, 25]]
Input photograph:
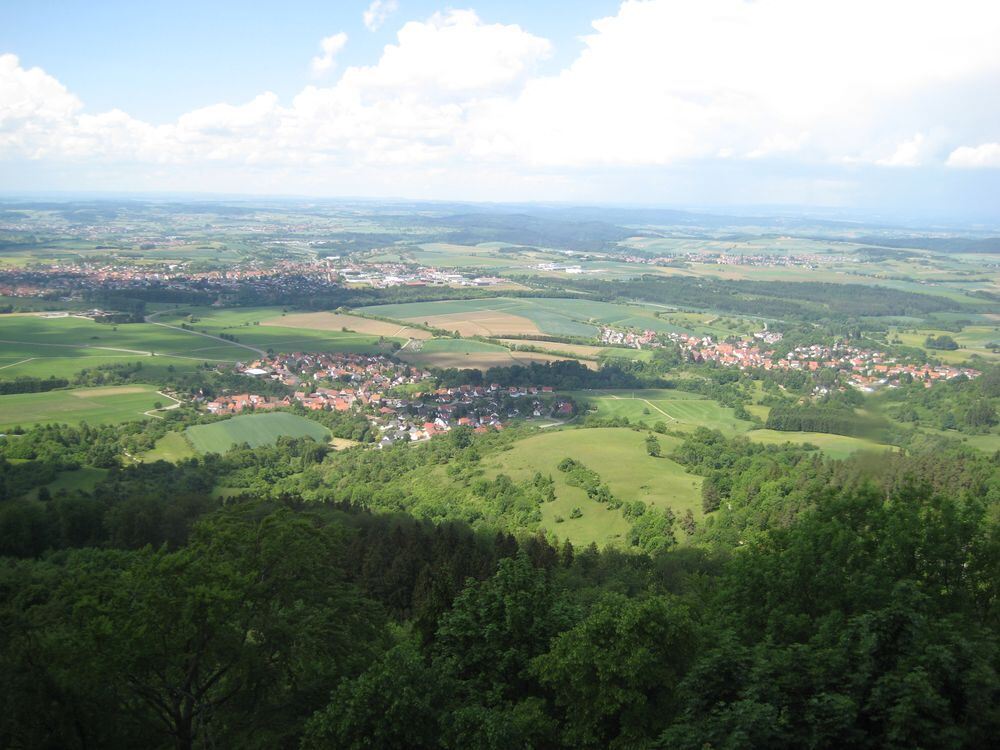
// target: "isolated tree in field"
[[652, 445]]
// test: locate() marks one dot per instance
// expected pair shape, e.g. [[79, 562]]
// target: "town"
[[402, 402]]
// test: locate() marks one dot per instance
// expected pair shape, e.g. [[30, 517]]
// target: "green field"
[[834, 446], [989, 443], [619, 456], [171, 447], [680, 410], [255, 429], [461, 346], [244, 324], [93, 405], [971, 339], [61, 346], [38, 346]]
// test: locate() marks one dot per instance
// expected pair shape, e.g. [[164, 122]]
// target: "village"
[[401, 401], [865, 369]]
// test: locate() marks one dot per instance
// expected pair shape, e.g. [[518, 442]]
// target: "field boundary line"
[[668, 416], [76, 346], [14, 364], [261, 352]]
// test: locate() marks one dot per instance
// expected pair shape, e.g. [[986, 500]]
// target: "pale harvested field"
[[340, 444], [479, 360], [582, 350], [480, 323], [328, 321], [113, 390]]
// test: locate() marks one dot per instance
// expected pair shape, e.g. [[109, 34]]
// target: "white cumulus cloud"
[[378, 12], [985, 155], [331, 46], [453, 53], [909, 153]]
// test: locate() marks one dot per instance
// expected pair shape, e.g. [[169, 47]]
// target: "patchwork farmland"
[[507, 316]]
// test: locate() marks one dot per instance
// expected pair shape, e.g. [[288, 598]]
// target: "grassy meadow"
[[255, 429], [84, 479], [172, 447], [106, 405], [619, 456], [265, 328], [834, 446], [40, 346], [680, 410]]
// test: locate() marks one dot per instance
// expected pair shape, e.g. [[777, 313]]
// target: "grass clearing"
[[172, 447], [255, 429], [84, 479], [619, 456], [680, 410], [93, 405], [834, 446]]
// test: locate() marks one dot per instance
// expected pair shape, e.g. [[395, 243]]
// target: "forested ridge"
[[786, 300], [821, 604]]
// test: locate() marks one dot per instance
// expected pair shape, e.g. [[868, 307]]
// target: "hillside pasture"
[[680, 410], [833, 446], [619, 456], [92, 405], [172, 447], [255, 429]]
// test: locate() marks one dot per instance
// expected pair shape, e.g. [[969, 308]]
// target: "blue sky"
[[160, 59], [881, 107]]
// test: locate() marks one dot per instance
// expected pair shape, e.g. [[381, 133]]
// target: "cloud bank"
[[660, 83]]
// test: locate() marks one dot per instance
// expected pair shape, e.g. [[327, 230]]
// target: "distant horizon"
[[841, 214]]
